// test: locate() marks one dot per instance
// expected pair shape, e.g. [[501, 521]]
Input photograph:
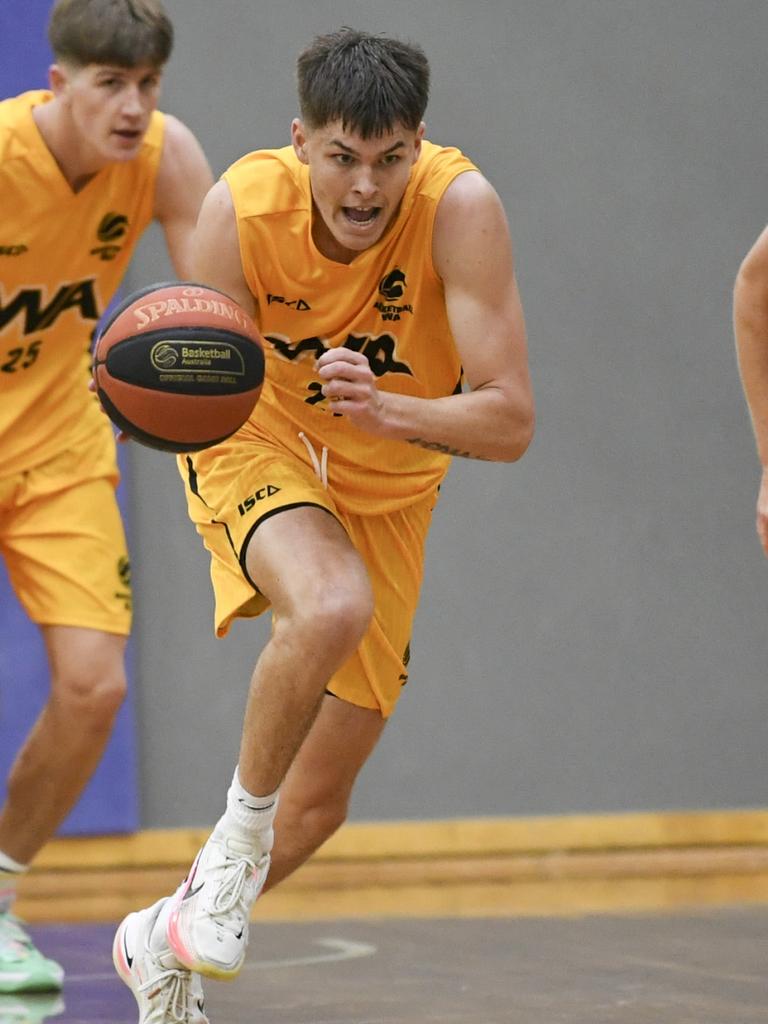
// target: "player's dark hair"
[[370, 83], [127, 33]]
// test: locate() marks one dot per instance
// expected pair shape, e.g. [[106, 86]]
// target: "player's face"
[[109, 107], [357, 184]]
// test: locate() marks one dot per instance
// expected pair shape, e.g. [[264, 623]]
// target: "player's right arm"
[[216, 248], [183, 178], [750, 323]]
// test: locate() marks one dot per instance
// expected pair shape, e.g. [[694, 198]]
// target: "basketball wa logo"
[[124, 577], [392, 286], [111, 227], [124, 571]]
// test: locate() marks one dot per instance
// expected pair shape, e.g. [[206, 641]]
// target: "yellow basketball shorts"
[[239, 484], [63, 541]]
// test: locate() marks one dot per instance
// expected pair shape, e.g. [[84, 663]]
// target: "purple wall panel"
[[110, 803]]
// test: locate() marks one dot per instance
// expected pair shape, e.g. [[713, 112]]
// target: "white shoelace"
[[230, 892], [174, 986], [320, 465]]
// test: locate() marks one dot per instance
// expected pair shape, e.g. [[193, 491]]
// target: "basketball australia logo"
[[164, 356], [392, 286], [196, 362], [111, 228]]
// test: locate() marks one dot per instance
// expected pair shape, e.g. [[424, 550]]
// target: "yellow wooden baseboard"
[[449, 838], [468, 867]]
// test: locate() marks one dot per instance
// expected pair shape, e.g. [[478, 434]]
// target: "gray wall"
[[592, 630]]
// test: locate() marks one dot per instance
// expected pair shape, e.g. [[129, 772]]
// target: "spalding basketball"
[[179, 366]]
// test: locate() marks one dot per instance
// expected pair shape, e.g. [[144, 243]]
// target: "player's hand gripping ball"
[[179, 366]]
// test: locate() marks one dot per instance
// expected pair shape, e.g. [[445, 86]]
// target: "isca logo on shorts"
[[263, 492]]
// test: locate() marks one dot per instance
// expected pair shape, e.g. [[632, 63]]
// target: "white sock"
[[249, 815], [10, 872], [8, 864]]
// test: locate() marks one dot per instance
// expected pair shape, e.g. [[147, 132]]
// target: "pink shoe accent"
[[118, 956], [173, 934]]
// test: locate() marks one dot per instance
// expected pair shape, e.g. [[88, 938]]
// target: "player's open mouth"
[[361, 216], [128, 135]]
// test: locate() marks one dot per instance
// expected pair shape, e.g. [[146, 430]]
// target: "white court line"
[[339, 950], [342, 949]]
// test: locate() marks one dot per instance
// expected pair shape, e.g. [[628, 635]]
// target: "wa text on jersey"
[[39, 315], [379, 349]]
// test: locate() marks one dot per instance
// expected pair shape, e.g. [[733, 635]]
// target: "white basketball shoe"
[[166, 992], [208, 924]]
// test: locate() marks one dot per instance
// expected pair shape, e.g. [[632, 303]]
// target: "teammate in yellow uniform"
[[380, 271], [84, 168]]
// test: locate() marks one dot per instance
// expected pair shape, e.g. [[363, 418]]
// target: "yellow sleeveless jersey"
[[388, 303], [62, 257]]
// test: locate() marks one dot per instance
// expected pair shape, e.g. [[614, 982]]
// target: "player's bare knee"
[[318, 817], [332, 606], [94, 695], [324, 821], [339, 614], [347, 609]]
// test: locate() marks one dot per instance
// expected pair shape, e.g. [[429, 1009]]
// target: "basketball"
[[178, 366]]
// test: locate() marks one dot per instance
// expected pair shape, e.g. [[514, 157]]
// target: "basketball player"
[[84, 168], [379, 269], [750, 318]]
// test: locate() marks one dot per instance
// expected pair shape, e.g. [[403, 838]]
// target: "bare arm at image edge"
[[750, 320]]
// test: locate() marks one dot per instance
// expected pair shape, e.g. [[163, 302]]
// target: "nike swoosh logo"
[[192, 892], [252, 808], [128, 957]]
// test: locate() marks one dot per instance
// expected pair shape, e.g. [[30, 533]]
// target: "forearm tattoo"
[[436, 446]]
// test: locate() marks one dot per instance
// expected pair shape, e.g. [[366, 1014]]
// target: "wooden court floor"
[[707, 966]]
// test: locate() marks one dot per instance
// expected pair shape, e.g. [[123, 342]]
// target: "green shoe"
[[26, 1009], [23, 968]]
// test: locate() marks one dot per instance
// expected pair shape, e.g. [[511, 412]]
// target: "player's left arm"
[[494, 420], [183, 179]]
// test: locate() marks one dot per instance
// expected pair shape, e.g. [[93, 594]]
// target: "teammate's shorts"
[[63, 541], [230, 492]]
